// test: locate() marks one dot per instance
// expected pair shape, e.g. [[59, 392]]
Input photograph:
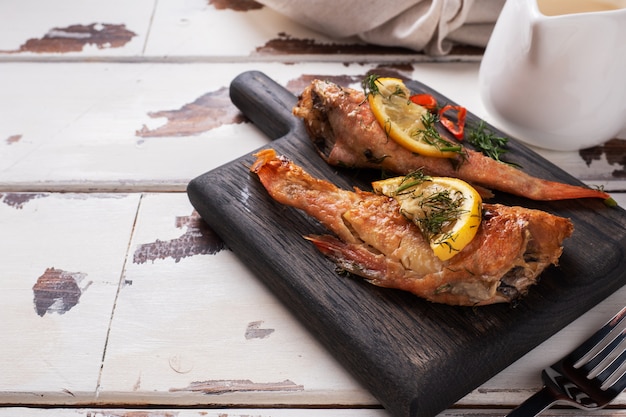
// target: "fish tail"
[[263, 157], [349, 257], [551, 191]]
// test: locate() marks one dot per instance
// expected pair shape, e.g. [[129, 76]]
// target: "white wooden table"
[[115, 298]]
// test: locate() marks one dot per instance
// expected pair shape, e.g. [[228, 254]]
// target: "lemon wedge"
[[404, 121], [447, 210]]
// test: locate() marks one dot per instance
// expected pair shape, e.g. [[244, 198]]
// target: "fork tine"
[[607, 356], [590, 377], [600, 340], [616, 372]]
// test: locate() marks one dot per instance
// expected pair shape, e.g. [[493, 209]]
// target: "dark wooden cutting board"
[[416, 357]]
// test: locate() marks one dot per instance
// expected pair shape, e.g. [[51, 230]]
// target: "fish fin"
[[351, 257]]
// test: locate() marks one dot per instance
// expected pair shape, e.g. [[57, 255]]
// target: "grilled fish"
[[343, 128], [372, 239]]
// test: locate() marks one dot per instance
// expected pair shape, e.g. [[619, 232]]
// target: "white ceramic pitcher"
[[554, 72]]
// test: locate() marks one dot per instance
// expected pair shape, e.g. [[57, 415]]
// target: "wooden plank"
[[91, 131], [74, 28], [177, 412], [156, 127], [192, 325], [137, 127], [264, 412], [194, 28], [62, 258]]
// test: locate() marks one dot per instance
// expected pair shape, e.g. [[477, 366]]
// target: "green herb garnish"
[[369, 85], [440, 210], [487, 142], [430, 135], [411, 180]]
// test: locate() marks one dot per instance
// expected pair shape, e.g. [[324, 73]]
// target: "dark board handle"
[[265, 102]]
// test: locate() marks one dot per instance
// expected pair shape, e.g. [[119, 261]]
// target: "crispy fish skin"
[[373, 240], [345, 131]]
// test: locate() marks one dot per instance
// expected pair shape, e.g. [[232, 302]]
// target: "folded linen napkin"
[[429, 26]]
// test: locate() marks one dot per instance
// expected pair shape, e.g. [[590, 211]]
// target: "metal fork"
[[590, 377]]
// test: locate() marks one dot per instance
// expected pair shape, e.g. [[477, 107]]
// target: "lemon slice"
[[448, 211], [409, 124]]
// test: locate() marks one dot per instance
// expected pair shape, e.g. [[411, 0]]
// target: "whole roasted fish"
[[341, 124], [372, 239]]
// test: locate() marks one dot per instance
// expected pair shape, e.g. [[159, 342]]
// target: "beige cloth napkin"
[[431, 26]]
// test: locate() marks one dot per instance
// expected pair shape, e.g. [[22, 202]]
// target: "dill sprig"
[[487, 142], [370, 85], [441, 209], [430, 135], [411, 180]]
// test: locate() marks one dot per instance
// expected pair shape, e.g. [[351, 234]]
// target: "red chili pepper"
[[425, 100], [457, 129]]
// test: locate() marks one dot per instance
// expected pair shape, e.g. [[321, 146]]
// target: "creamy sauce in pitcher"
[[561, 7]]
